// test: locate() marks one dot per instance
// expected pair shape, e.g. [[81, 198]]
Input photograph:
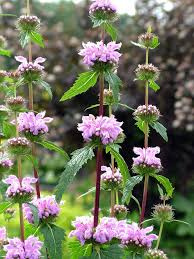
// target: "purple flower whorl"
[[20, 191], [111, 180], [48, 209], [100, 56], [149, 114], [18, 146], [107, 129], [102, 10], [146, 162], [5, 164]]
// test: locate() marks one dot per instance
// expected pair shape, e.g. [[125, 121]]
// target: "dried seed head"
[[148, 114], [14, 75], [163, 212], [147, 72], [146, 39], [3, 74], [155, 254]]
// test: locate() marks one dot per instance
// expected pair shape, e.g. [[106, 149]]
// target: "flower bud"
[[163, 212], [18, 146], [146, 39], [3, 42], [155, 254], [120, 211], [111, 180], [28, 23], [149, 114], [108, 97], [15, 103], [147, 72]]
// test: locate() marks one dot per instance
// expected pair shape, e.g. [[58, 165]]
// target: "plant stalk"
[[145, 194], [160, 234]]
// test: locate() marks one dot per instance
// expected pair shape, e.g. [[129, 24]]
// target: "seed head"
[[155, 254], [147, 72], [163, 212]]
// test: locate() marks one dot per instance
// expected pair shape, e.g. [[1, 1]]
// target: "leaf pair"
[[34, 36]]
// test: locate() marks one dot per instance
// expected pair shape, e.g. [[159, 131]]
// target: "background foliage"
[[65, 26]]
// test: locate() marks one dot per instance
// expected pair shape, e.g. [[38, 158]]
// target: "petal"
[[39, 60], [21, 59]]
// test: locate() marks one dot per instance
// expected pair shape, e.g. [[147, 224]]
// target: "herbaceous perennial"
[[109, 231]]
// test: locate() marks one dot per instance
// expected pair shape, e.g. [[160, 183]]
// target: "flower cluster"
[[109, 229], [98, 54], [146, 161], [28, 23], [146, 39], [111, 179], [18, 146], [31, 71], [163, 212], [30, 248], [147, 72], [20, 191], [149, 114], [106, 128], [48, 209], [15, 103], [132, 234], [34, 124], [155, 254], [102, 5], [6, 163]]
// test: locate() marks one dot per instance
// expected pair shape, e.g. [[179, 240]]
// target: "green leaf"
[[5, 205], [96, 22], [149, 30], [91, 190], [30, 230], [78, 159], [141, 125], [111, 252], [92, 107], [181, 221], [120, 162], [137, 202], [24, 39], [126, 106], [82, 84], [154, 86], [53, 238], [160, 190], [111, 30], [114, 82], [165, 183], [130, 184], [33, 160], [155, 42], [51, 146], [159, 128], [34, 211], [138, 45], [47, 87], [9, 130], [4, 52], [37, 38], [77, 250]]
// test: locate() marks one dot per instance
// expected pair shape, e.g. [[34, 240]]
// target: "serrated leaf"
[[37, 38], [155, 42], [130, 184], [115, 83], [9, 130], [159, 128], [78, 159], [165, 182], [96, 22], [51, 146], [82, 84], [47, 87], [141, 125], [154, 86], [160, 190], [4, 52], [24, 39], [77, 250], [111, 252], [138, 45], [4, 206], [120, 162], [111, 30], [53, 238], [34, 211]]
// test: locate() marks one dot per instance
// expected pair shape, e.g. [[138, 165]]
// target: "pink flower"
[[17, 188], [106, 128], [110, 176], [3, 234], [83, 229], [30, 66], [147, 156], [30, 248], [6, 163], [35, 124], [100, 52], [132, 234], [103, 5], [47, 208]]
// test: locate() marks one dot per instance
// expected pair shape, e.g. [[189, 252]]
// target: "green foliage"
[[77, 250], [33, 160], [51, 146], [110, 252], [129, 186], [111, 30], [9, 130], [46, 86], [159, 128], [4, 206], [120, 161], [82, 84], [165, 183], [53, 238], [4, 52], [114, 82], [37, 38], [154, 85], [141, 125], [34, 211], [78, 159]]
